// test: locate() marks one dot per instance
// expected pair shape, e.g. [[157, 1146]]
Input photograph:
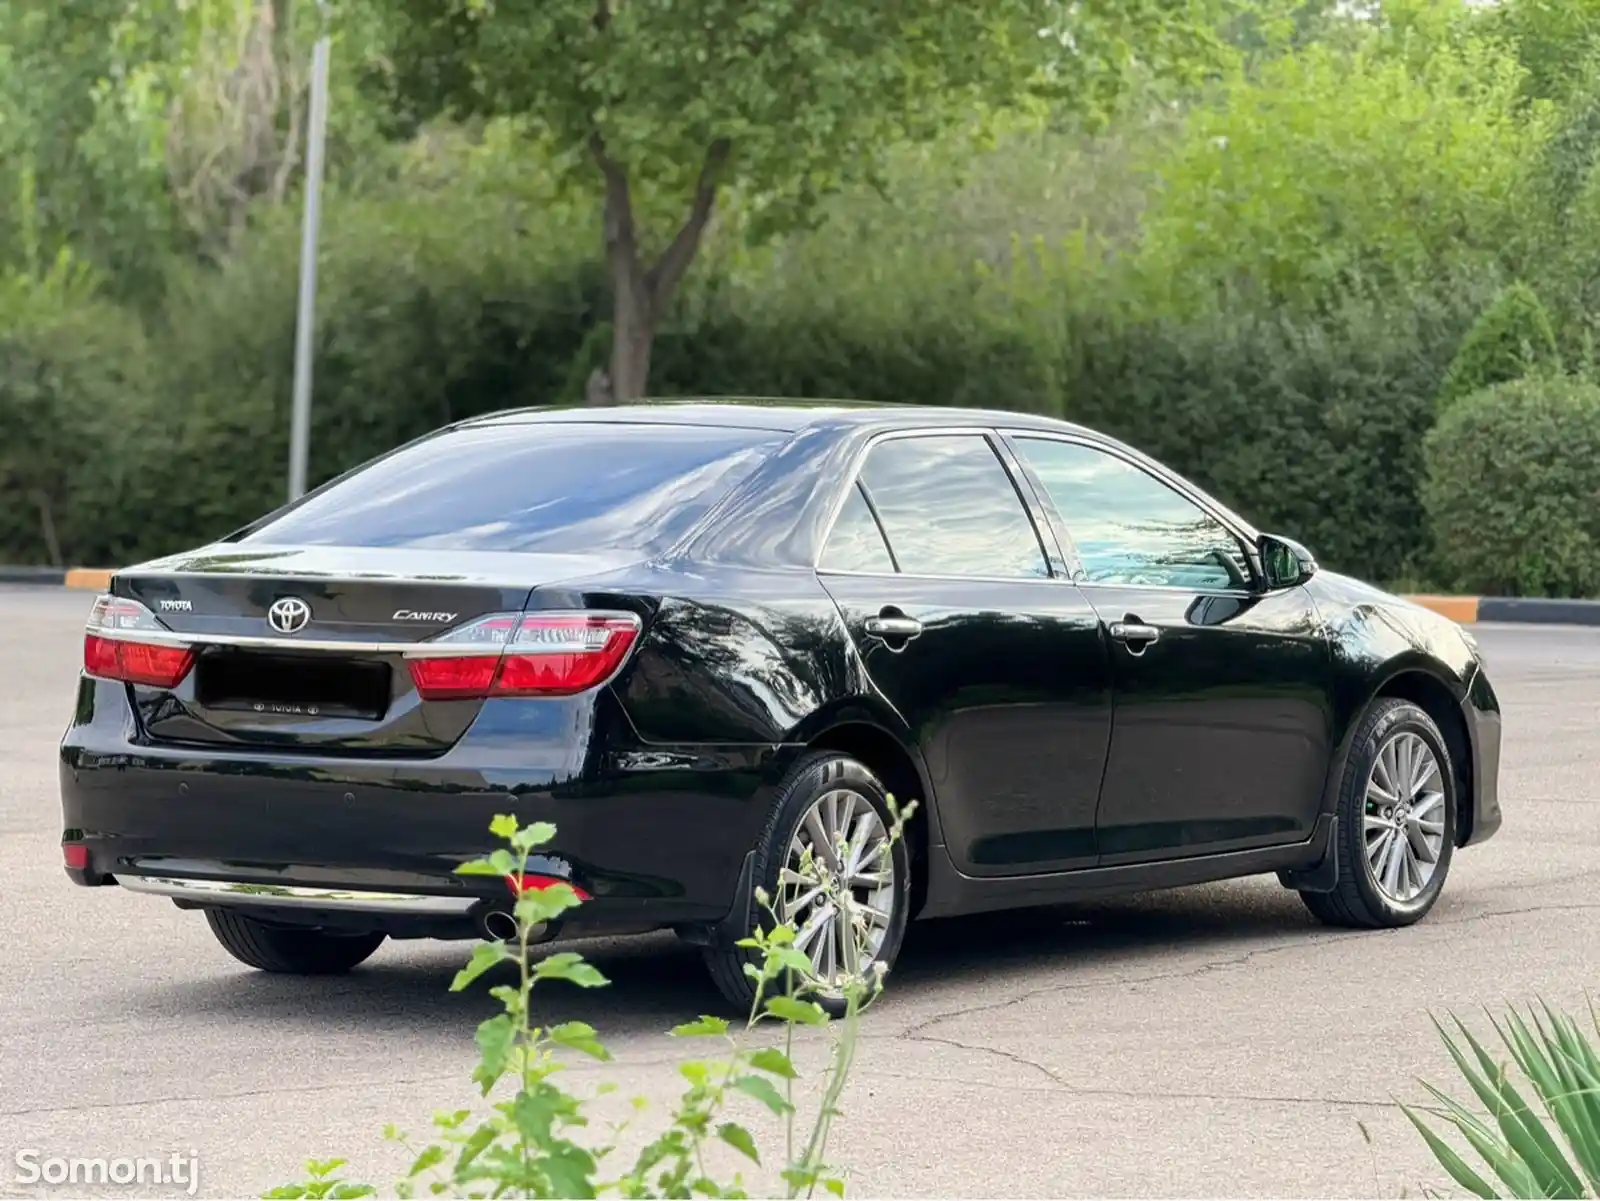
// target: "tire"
[[1361, 900], [814, 777], [297, 951]]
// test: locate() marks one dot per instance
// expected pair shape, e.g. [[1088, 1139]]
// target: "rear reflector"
[[113, 649], [545, 654], [75, 855], [532, 883]]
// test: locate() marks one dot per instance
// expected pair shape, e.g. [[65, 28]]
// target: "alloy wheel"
[[1404, 822], [837, 886]]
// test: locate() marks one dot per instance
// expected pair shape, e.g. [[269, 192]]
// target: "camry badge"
[[288, 615]]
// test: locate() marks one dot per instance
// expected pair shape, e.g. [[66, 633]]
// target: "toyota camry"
[[710, 641]]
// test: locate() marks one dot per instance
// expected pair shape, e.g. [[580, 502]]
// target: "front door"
[[999, 670], [1222, 729]]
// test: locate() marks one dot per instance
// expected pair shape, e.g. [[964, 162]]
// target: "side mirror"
[[1284, 562]]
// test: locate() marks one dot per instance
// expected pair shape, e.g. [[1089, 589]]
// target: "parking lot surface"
[[1202, 1042]]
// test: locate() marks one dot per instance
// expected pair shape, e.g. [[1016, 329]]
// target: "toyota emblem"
[[288, 615]]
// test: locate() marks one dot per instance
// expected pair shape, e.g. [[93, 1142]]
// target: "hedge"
[[432, 312], [1513, 489]]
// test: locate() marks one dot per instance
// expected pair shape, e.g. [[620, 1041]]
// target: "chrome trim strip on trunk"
[[232, 892], [412, 650]]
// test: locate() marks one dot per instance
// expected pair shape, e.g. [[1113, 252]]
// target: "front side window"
[[949, 508], [531, 486], [1130, 527]]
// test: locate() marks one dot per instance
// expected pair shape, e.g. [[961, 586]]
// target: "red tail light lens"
[[113, 648], [75, 855], [544, 654]]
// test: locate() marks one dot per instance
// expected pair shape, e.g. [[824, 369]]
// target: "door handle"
[[898, 626], [1135, 635]]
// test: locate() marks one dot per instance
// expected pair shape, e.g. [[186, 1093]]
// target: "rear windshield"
[[535, 487]]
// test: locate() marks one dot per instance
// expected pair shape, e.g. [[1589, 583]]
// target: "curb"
[[83, 578], [1516, 610]]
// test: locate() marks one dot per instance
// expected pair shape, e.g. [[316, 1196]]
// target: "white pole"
[[316, 136]]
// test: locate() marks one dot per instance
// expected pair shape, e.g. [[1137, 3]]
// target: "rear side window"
[[856, 543], [949, 508], [534, 487]]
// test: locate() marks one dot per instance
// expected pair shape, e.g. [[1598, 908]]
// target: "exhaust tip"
[[498, 925]]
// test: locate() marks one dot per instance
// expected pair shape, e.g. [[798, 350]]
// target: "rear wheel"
[[1396, 832], [298, 951], [831, 819]]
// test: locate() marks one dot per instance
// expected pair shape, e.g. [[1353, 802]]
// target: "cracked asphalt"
[[1210, 1041]]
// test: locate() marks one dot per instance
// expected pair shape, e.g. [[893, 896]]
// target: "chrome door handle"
[[893, 627], [1136, 634]]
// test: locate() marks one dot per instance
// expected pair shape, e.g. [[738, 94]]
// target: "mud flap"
[[1323, 875], [737, 924]]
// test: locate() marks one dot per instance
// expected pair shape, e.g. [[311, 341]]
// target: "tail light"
[[516, 654], [124, 641]]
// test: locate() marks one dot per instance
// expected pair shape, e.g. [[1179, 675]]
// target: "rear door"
[[1222, 730], [999, 669]]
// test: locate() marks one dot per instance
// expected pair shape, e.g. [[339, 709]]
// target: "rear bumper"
[[657, 835]]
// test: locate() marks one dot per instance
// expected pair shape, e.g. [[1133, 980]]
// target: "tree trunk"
[[641, 296], [633, 331]]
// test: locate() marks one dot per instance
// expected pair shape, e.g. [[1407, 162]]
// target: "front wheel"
[[1396, 831], [295, 950], [828, 838]]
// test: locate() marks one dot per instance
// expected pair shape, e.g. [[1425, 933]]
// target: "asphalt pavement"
[[1209, 1041]]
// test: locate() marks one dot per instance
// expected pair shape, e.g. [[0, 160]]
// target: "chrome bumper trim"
[[230, 892]]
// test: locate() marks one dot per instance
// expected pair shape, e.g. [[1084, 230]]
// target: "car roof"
[[770, 413]]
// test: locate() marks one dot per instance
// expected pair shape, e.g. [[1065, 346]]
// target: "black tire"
[[297, 951], [1357, 902], [814, 775]]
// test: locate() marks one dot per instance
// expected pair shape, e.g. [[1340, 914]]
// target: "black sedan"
[[709, 641]]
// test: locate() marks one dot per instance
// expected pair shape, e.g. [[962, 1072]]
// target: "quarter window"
[[1129, 527], [949, 508], [856, 543]]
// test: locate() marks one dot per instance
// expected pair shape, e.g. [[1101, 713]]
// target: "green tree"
[[1510, 339], [654, 107]]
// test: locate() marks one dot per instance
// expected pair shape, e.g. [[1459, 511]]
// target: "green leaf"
[[834, 1185], [569, 965], [496, 1037], [544, 904], [703, 1027], [503, 825], [770, 1059], [531, 836], [430, 1157], [579, 1036], [485, 956], [790, 1009], [1452, 1163], [737, 1137], [761, 1089], [498, 864]]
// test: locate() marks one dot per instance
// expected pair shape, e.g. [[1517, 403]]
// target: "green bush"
[[1513, 489], [1512, 338], [73, 376], [1313, 427], [428, 311]]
